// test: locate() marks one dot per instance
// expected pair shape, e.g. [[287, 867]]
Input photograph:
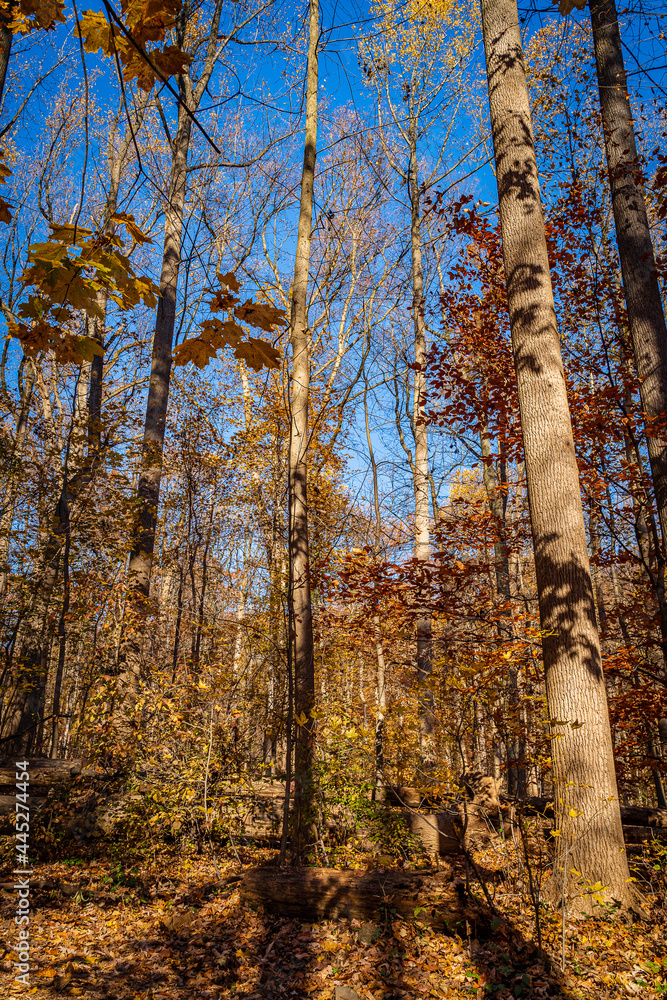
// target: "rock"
[[368, 933], [115, 813], [346, 993]]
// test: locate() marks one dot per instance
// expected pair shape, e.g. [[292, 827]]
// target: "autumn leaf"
[[257, 354], [262, 315], [30, 15], [171, 60], [5, 211], [230, 281], [131, 226], [94, 31], [197, 350], [88, 348]]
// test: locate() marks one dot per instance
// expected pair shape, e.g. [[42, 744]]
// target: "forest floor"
[[159, 928]]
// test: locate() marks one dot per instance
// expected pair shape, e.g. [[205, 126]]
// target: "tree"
[[417, 64], [646, 318], [300, 606], [587, 808]]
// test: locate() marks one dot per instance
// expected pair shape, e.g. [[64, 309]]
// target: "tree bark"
[[420, 471], [301, 624], [148, 489], [586, 795], [150, 475], [14, 466], [646, 317], [312, 894], [5, 52]]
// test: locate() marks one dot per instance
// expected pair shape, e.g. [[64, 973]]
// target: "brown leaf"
[[262, 315]]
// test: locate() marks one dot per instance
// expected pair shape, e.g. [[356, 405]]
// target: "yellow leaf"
[[133, 229], [95, 31], [88, 348]]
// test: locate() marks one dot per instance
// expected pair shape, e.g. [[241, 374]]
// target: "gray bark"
[[587, 807], [646, 317], [301, 624]]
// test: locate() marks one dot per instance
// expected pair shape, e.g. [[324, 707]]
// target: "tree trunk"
[[640, 280], [381, 709], [420, 471], [314, 894], [14, 466], [301, 624], [150, 475], [5, 53], [586, 795]]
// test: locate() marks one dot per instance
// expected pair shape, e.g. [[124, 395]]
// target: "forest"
[[333, 516]]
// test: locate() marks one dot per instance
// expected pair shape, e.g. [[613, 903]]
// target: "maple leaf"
[[5, 171], [95, 31], [230, 281], [257, 354], [69, 234], [566, 6], [171, 60], [88, 348], [47, 252], [264, 316], [199, 350], [131, 226], [28, 15], [5, 211]]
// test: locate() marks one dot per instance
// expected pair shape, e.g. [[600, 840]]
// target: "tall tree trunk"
[[14, 469], [498, 507], [420, 470], [646, 317], [148, 490], [586, 796], [150, 474], [6, 49], [301, 624], [381, 710]]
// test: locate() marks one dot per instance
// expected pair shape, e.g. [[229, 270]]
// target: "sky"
[[261, 89]]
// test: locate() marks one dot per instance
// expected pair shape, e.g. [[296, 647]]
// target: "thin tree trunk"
[[14, 468], [498, 507], [5, 52], [150, 475], [586, 796], [420, 470], [646, 318], [381, 709], [299, 584], [148, 490]]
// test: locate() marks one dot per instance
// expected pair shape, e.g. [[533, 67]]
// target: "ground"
[[159, 928]]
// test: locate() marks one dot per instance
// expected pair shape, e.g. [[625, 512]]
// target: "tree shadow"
[[225, 949]]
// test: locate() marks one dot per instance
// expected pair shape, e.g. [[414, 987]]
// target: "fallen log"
[[313, 894], [42, 772], [640, 834], [8, 804], [630, 815]]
